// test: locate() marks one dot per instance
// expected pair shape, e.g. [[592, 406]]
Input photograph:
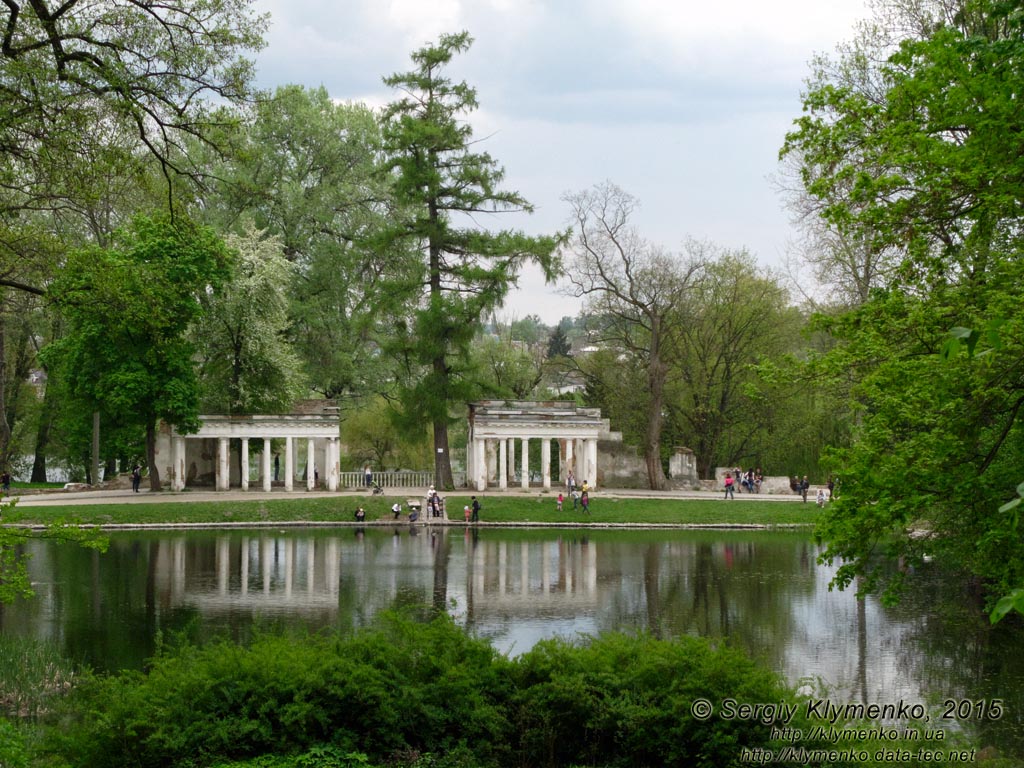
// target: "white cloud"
[[683, 104]]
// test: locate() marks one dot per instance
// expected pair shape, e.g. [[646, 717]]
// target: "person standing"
[[5, 481], [475, 517], [729, 483], [570, 481], [558, 506], [804, 486], [368, 475], [136, 477], [585, 501]]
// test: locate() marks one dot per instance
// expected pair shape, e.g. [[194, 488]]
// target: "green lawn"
[[496, 509]]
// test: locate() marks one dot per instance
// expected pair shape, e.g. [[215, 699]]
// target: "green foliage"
[[370, 433], [247, 363], [306, 171], [417, 694], [126, 353], [14, 577], [32, 675], [69, 69], [920, 159], [622, 700], [14, 752], [740, 317], [318, 757], [505, 369]]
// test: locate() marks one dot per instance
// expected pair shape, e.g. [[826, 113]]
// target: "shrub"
[[625, 700], [411, 694]]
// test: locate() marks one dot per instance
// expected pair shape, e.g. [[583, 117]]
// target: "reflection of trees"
[[761, 590], [442, 554], [949, 646], [652, 588], [730, 586]]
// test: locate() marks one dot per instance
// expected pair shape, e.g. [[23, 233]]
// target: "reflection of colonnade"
[[310, 441], [551, 574], [498, 427], [275, 573]]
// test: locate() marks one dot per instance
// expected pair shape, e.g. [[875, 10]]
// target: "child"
[[466, 513], [821, 497], [558, 507]]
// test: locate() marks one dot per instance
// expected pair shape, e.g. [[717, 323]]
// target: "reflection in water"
[[763, 591]]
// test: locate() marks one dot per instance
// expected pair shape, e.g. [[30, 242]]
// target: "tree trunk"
[[154, 473], [94, 461], [656, 373], [442, 458], [5, 427], [43, 437]]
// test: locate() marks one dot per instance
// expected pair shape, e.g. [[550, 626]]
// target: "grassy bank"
[[496, 509]]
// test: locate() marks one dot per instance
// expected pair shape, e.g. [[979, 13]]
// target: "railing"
[[407, 479]]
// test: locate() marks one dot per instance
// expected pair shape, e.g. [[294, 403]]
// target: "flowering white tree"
[[247, 363]]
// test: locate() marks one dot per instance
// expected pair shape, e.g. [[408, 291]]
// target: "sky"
[[683, 104]]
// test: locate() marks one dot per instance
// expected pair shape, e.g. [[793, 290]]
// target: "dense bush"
[[625, 700], [416, 694]]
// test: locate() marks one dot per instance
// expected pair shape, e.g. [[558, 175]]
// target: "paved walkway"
[[126, 496]]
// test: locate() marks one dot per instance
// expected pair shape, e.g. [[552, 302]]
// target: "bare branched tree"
[[636, 289]]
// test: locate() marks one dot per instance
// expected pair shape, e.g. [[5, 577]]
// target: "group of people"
[[581, 499], [802, 485], [750, 481], [435, 503], [471, 511]]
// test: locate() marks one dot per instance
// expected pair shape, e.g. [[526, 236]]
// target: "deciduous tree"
[[639, 291], [246, 361], [931, 167], [126, 353]]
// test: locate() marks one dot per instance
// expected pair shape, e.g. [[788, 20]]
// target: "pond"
[[761, 590]]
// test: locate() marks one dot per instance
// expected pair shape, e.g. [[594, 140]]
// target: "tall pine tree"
[[458, 273]]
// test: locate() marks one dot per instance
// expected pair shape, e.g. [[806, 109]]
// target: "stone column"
[[333, 460], [491, 459], [223, 475], [503, 464], [481, 463], [245, 464], [289, 464], [545, 462], [569, 465], [310, 464], [592, 462], [267, 477], [524, 469], [178, 455]]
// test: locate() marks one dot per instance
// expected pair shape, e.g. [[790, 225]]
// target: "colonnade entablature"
[[311, 449], [496, 425]]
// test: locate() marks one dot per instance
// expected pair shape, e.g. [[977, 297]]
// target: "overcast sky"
[[683, 104]]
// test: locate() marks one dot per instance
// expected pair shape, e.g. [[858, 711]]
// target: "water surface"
[[761, 590]]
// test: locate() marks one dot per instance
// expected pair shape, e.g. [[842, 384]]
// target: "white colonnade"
[[306, 442], [498, 428]]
